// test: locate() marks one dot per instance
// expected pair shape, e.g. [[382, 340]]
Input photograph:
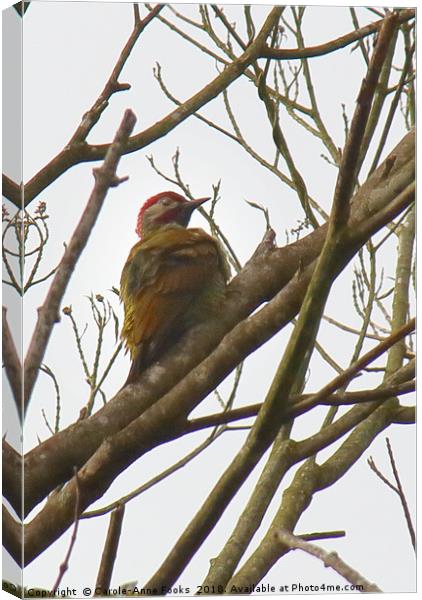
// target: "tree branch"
[[83, 152], [361, 363], [112, 86], [348, 171], [48, 314], [333, 45], [12, 191], [12, 535], [69, 156], [364, 421], [300, 343], [12, 363], [12, 476], [65, 564], [268, 270], [398, 488], [270, 416], [330, 559], [299, 402], [108, 557]]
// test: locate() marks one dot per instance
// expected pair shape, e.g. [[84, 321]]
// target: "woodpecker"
[[173, 279]]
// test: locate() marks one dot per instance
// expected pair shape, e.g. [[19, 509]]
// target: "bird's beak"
[[185, 210], [198, 202]]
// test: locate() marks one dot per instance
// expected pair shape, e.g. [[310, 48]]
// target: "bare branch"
[[65, 564], [332, 46], [350, 158], [12, 191], [156, 479], [110, 551], [393, 107], [271, 414], [321, 535], [112, 86], [404, 415], [299, 403], [12, 476], [12, 535], [398, 488], [268, 271], [361, 43], [84, 152], [73, 151], [48, 314], [362, 362], [12, 363], [330, 559], [50, 373]]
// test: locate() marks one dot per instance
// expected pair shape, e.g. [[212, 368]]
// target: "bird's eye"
[[166, 201]]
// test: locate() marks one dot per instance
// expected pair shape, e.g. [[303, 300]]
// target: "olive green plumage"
[[173, 279]]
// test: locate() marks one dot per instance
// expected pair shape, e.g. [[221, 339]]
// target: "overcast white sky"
[[69, 51]]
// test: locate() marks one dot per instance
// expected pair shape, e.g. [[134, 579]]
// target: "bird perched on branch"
[[174, 278]]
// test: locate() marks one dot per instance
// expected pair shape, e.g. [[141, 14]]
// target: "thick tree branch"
[[365, 422], [302, 339], [257, 281], [12, 476], [404, 415], [12, 535], [12, 191], [263, 431], [348, 172], [269, 418], [95, 477], [12, 363], [48, 314], [290, 454]]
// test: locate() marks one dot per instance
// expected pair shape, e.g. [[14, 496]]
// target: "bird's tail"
[[148, 352], [137, 366]]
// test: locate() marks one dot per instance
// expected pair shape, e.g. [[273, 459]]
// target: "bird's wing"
[[161, 279]]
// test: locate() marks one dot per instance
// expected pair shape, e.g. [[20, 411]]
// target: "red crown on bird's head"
[[153, 200]]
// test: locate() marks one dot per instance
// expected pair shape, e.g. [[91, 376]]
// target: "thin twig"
[[65, 564], [321, 535], [361, 43], [149, 484], [299, 404], [333, 45], [50, 373], [398, 488], [97, 387], [92, 116], [361, 363], [282, 146], [393, 107]]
